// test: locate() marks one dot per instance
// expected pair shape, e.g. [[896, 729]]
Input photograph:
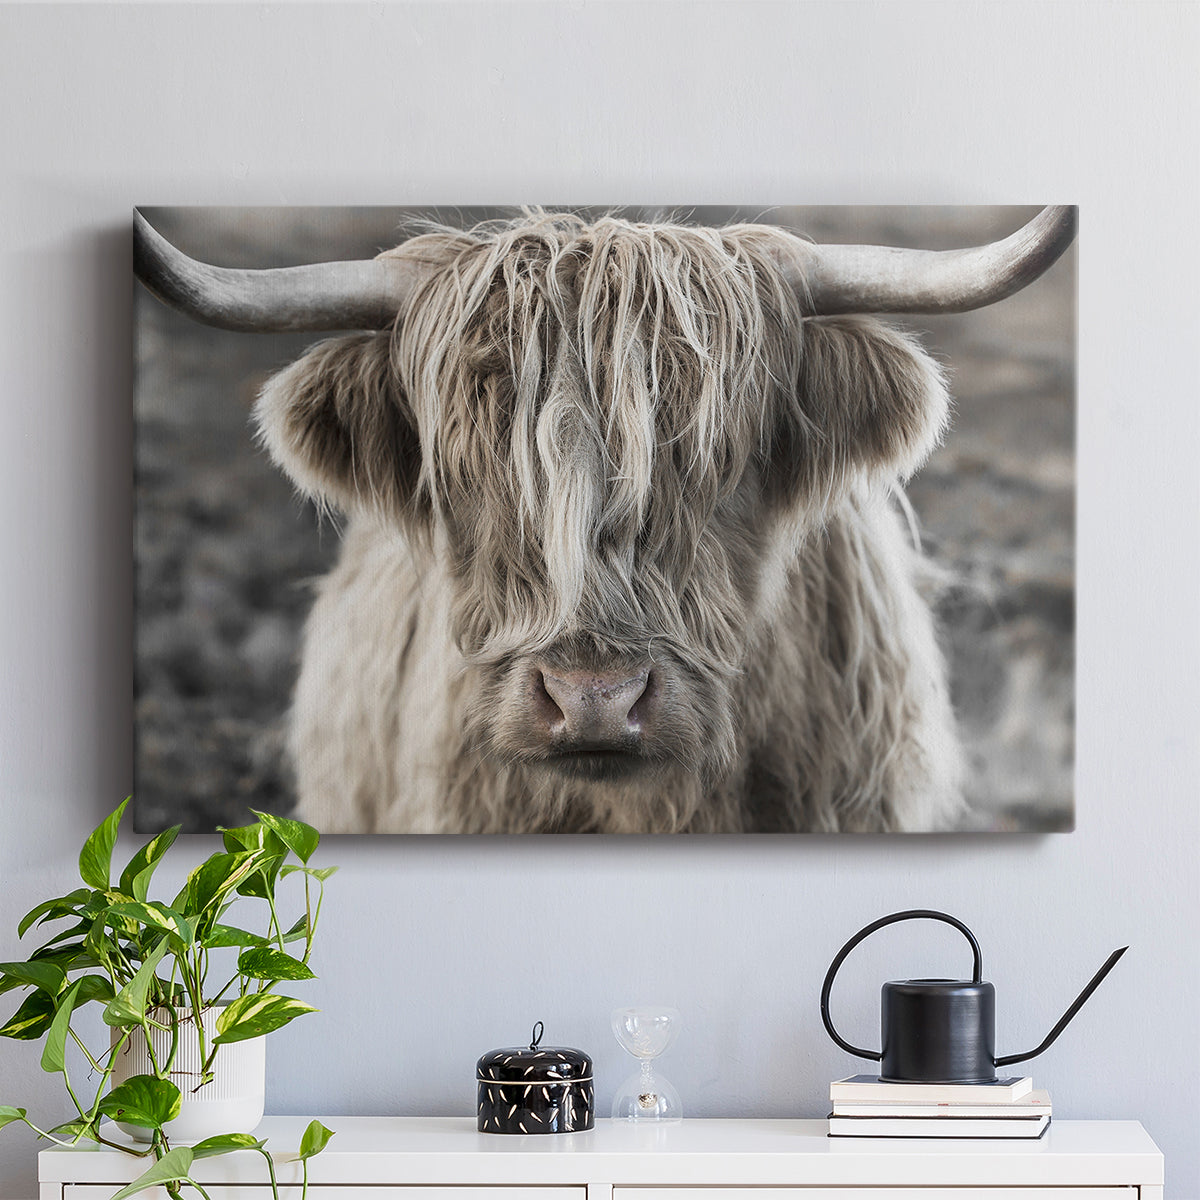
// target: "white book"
[[938, 1127], [1033, 1104], [870, 1088]]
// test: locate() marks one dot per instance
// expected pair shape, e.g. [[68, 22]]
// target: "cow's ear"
[[868, 401], [339, 425]]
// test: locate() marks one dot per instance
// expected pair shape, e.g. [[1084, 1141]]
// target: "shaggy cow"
[[624, 550]]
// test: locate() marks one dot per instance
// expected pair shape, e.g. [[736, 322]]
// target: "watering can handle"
[[908, 915]]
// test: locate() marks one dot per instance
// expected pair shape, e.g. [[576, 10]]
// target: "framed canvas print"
[[716, 520]]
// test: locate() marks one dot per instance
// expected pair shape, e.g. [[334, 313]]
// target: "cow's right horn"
[[363, 294], [883, 279]]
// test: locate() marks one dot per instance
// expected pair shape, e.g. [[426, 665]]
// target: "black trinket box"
[[535, 1089]]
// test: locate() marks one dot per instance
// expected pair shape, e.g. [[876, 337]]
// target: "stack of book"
[[863, 1106]]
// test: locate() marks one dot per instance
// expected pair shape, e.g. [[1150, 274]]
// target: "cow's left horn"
[[882, 279], [365, 294]]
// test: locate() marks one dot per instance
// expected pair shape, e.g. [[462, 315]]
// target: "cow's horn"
[[882, 279], [365, 294]]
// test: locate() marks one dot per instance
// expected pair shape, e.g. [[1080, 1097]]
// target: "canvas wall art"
[[708, 520]]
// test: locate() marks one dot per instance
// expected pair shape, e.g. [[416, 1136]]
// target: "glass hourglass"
[[646, 1095]]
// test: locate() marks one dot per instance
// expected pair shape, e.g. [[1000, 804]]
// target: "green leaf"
[[223, 1143], [321, 873], [240, 837], [252, 837], [44, 975], [97, 942], [9, 1115], [31, 1020], [267, 963], [135, 879], [316, 1138], [229, 935], [261, 883], [95, 859], [97, 902], [94, 987], [128, 1006], [67, 958], [49, 909], [54, 1052], [180, 929], [299, 838], [171, 1168], [143, 1100], [48, 947], [139, 885], [252, 1016], [216, 877], [297, 931], [76, 1129]]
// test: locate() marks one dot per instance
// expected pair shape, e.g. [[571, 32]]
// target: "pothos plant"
[[151, 965]]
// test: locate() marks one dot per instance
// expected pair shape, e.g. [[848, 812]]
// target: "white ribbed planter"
[[231, 1102]]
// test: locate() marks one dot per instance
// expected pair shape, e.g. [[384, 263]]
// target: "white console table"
[[443, 1158]]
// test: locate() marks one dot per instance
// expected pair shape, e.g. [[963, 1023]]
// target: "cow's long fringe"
[[606, 384]]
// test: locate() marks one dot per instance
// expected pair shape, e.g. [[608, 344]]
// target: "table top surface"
[[448, 1149]]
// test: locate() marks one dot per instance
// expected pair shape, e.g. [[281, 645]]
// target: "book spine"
[[843, 1108], [928, 1093], [1022, 1127]]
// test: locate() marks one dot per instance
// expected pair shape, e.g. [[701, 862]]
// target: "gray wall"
[[436, 950]]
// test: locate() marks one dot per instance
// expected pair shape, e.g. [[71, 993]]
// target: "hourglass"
[[646, 1095]]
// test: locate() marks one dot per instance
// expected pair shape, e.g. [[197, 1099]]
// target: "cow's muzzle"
[[593, 723]]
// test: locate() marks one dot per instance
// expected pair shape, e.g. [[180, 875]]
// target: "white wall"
[[450, 947]]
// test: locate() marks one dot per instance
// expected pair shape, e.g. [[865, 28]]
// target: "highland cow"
[[626, 547]]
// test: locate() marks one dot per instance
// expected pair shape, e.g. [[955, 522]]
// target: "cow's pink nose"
[[594, 709]]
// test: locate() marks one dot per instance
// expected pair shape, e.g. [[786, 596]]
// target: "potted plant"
[[187, 995]]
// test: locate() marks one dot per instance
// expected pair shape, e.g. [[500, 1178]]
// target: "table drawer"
[[253, 1191], [877, 1193]]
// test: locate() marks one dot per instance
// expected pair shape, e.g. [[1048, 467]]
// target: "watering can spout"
[[1069, 1015]]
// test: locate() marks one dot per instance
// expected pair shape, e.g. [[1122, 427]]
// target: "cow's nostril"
[[643, 703], [547, 711]]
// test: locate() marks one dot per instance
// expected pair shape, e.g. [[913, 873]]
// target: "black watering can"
[[942, 1030]]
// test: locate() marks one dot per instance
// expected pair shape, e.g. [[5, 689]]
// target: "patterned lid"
[[534, 1063]]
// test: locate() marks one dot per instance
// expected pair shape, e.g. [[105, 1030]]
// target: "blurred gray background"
[[226, 554]]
